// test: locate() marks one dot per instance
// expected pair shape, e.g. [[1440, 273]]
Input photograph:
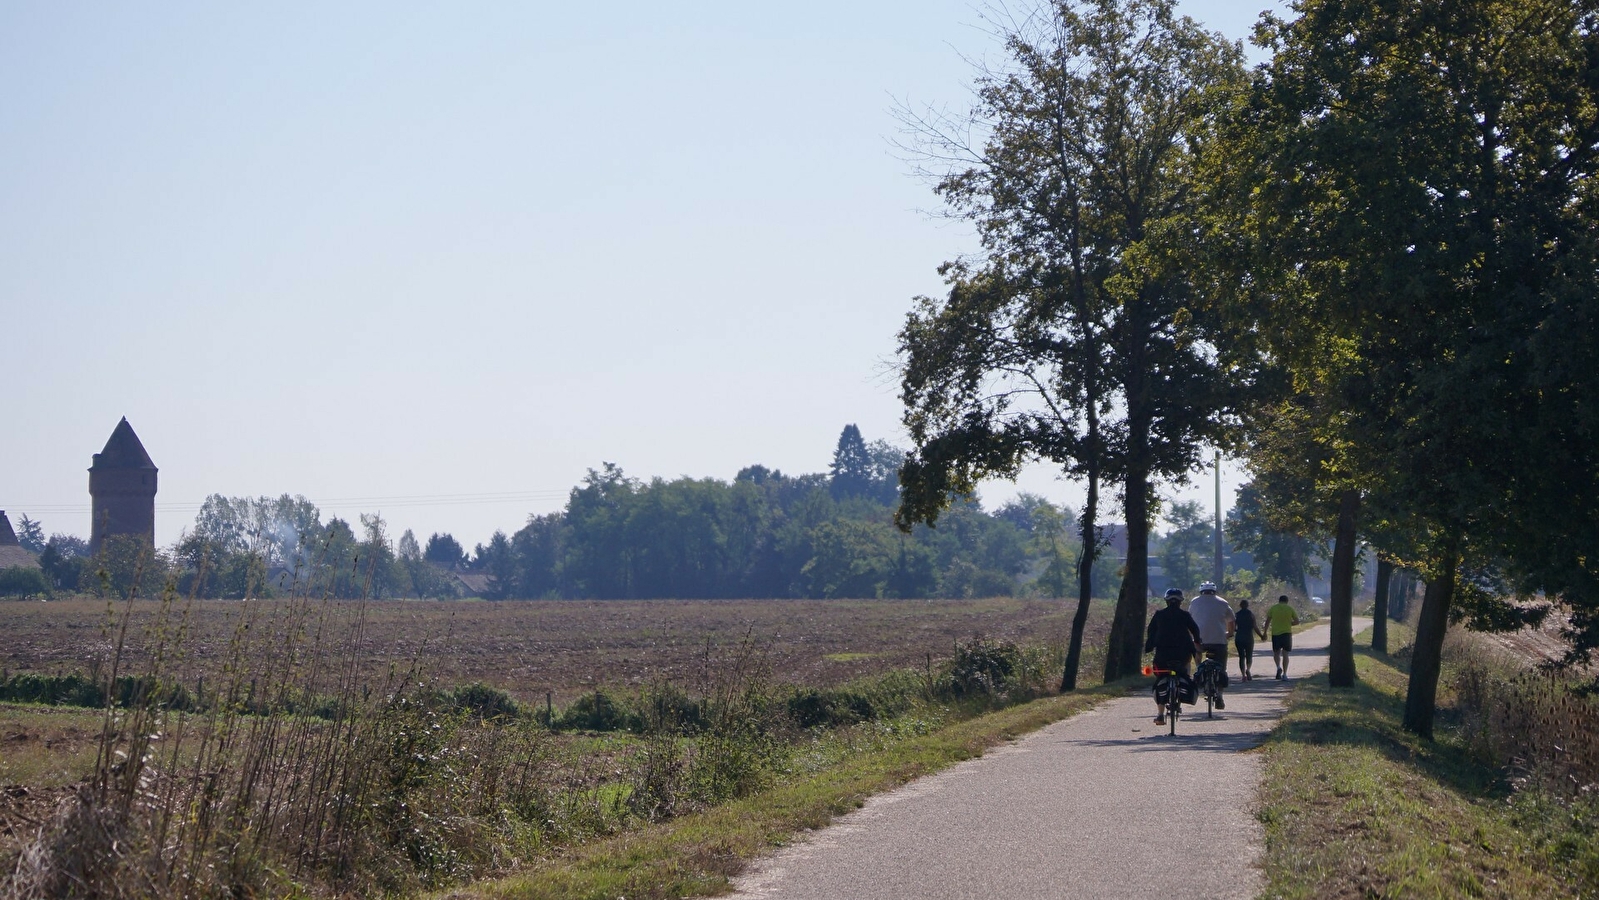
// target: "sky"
[[438, 260]]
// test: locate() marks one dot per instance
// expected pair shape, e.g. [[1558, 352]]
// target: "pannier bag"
[[1220, 672], [1187, 690]]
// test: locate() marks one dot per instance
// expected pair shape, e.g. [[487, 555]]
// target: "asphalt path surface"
[[1103, 805]]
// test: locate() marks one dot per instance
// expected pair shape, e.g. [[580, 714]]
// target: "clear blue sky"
[[389, 250]]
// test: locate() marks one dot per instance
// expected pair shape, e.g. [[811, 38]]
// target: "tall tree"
[[1184, 547], [444, 550], [30, 534], [1379, 607], [1415, 175], [1279, 555], [1078, 338], [851, 470]]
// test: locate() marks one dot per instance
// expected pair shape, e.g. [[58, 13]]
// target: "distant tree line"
[[764, 534]]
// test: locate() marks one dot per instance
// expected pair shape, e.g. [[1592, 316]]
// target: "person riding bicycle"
[[1216, 626], [1174, 638]]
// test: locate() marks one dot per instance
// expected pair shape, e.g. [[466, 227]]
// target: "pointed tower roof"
[[123, 450], [8, 538]]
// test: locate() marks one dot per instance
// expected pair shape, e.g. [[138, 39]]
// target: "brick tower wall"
[[123, 503]]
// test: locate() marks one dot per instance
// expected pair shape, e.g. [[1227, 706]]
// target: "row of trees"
[[764, 534], [1367, 266]]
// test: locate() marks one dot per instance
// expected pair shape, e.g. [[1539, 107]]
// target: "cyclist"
[[1174, 637], [1216, 625], [1281, 619], [1244, 640]]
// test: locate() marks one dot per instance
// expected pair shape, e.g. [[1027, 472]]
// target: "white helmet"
[[1208, 586]]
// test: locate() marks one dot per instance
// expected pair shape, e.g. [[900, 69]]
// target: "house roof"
[[8, 538], [15, 555], [123, 450]]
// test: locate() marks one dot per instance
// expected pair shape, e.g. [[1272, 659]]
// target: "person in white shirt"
[[1217, 624]]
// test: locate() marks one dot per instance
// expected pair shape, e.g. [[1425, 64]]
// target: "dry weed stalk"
[[289, 773]]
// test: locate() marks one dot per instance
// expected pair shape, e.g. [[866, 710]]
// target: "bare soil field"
[[570, 647]]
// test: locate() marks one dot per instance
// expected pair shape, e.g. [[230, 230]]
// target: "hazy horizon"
[[402, 260]]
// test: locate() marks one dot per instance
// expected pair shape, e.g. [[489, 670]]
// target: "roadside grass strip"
[[1354, 806], [699, 854]]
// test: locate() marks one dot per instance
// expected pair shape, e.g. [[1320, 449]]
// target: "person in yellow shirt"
[[1281, 619]]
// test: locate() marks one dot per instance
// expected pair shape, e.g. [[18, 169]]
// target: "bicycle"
[[1174, 703], [1208, 675]]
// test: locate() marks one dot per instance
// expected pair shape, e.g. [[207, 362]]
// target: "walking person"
[[1281, 619], [1216, 625], [1174, 638], [1244, 639]]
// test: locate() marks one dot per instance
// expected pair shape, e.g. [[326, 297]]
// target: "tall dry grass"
[[294, 774], [290, 774], [1539, 722]]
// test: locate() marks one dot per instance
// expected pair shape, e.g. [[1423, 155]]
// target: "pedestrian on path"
[[1244, 640], [1174, 637], [1281, 619]]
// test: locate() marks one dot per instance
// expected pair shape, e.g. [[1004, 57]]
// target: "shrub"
[[596, 712], [812, 708], [983, 667], [667, 708], [56, 690], [23, 581], [483, 702]]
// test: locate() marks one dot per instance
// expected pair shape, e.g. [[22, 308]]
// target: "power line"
[[391, 501]]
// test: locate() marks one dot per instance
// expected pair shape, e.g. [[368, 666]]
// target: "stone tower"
[[122, 488]]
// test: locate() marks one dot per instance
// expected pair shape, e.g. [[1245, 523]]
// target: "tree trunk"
[[1421, 698], [1085, 582], [1379, 609], [1341, 648], [1396, 595], [1298, 564], [1126, 650], [1399, 596]]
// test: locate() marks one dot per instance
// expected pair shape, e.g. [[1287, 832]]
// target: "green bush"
[[597, 712], [56, 690], [23, 581], [666, 708], [483, 702], [984, 668], [812, 708]]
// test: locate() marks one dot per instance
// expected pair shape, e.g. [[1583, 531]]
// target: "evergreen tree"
[[444, 550], [30, 534], [851, 472], [499, 563]]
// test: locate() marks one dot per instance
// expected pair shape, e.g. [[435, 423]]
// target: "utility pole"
[[1220, 566]]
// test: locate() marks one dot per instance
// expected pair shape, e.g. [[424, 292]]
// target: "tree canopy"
[[1078, 335], [1413, 223]]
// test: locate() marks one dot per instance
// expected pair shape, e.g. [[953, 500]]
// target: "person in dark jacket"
[[1174, 638], [1244, 639]]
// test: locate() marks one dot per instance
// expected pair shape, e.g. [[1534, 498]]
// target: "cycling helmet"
[[1174, 592], [1208, 586]]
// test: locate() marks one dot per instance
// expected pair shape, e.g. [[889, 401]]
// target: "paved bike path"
[[1101, 805]]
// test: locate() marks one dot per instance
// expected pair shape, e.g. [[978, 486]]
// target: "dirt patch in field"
[[563, 647]]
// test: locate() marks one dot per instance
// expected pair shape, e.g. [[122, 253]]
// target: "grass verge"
[[698, 854], [1354, 806]]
